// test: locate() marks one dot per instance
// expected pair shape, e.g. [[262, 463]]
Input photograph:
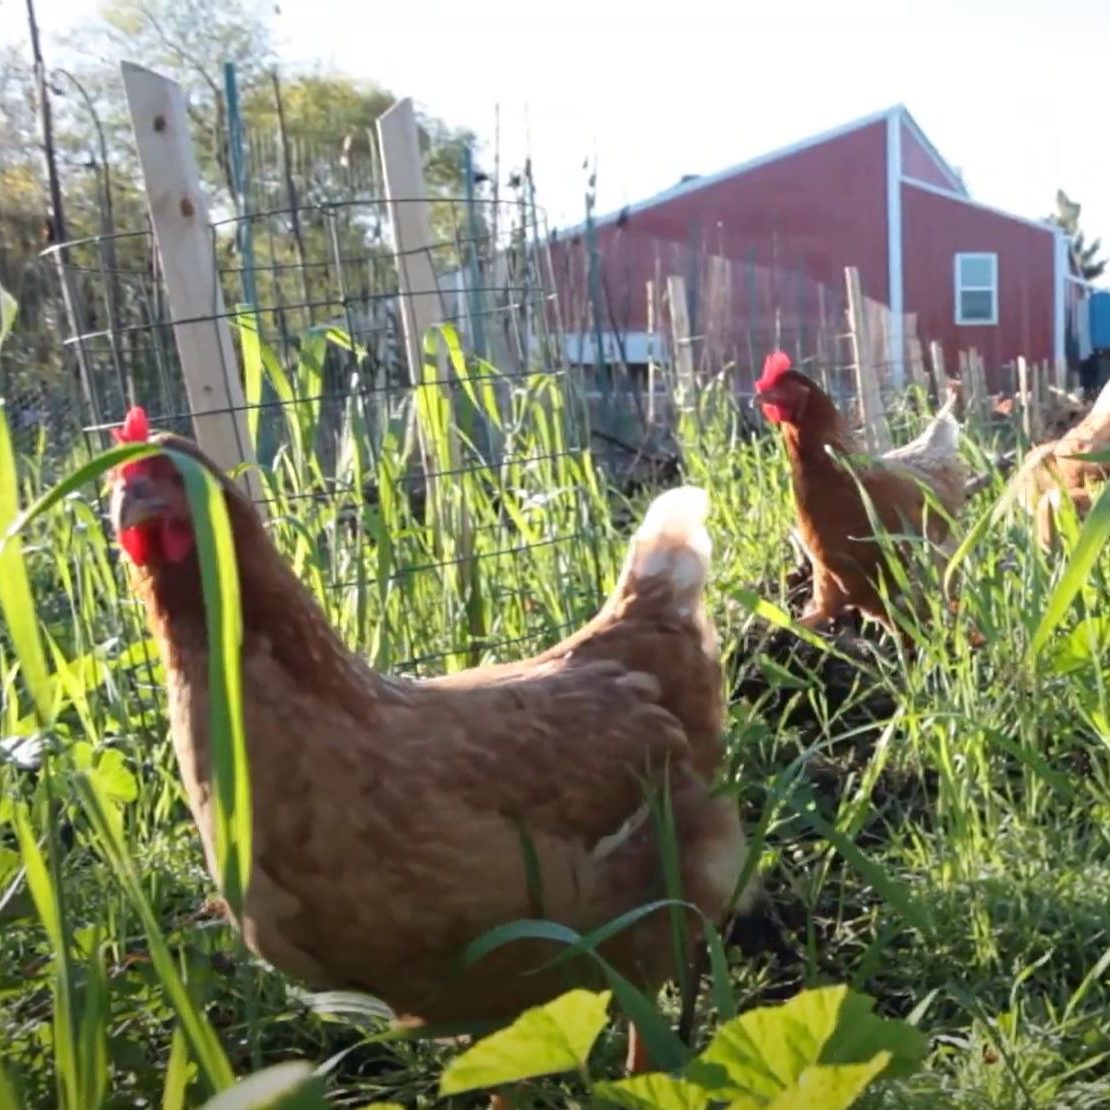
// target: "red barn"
[[766, 243]]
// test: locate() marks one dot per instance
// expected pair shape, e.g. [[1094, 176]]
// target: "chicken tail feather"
[[672, 546]]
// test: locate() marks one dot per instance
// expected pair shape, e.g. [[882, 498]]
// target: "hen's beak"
[[136, 501]]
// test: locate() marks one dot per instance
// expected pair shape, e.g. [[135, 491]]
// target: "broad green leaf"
[[553, 1038], [824, 1087], [1092, 539], [652, 1092], [114, 778], [662, 1045], [16, 603], [288, 1086], [860, 1034], [759, 1058]]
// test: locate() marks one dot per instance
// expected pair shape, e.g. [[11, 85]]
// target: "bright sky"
[[1008, 90]]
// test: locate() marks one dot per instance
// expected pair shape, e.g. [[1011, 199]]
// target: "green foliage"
[[819, 1051], [16, 602], [936, 830], [547, 1040], [1067, 213]]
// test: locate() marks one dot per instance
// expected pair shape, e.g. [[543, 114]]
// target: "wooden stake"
[[876, 434], [1030, 400], [976, 382], [916, 359], [680, 336], [940, 377], [179, 213], [421, 310], [412, 238]]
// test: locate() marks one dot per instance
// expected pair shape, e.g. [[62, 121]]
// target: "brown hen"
[[833, 524], [1051, 472], [392, 816]]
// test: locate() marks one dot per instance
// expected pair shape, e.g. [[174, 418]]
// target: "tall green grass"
[[958, 870]]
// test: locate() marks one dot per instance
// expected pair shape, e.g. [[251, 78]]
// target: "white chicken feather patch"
[[672, 542], [941, 437]]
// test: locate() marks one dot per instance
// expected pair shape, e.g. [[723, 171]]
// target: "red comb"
[[776, 364], [136, 427]]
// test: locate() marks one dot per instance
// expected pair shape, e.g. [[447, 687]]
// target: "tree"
[[320, 149], [1086, 254]]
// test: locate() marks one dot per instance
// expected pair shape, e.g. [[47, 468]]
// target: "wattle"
[[138, 543], [169, 540], [177, 540]]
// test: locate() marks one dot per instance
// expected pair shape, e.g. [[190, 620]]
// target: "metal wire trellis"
[[337, 429]]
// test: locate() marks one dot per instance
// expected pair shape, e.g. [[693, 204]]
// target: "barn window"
[[976, 288]]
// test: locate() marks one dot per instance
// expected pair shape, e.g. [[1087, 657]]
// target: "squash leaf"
[[652, 1092], [556, 1037], [826, 1040]]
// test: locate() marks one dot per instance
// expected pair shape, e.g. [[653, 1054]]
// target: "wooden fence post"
[[876, 434], [940, 376], [421, 307], [915, 355], [1030, 401], [179, 212], [977, 383], [421, 310], [681, 339]]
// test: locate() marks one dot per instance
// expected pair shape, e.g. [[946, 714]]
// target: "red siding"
[[934, 230], [799, 219], [919, 163]]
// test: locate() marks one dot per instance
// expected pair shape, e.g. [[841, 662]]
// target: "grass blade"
[[209, 1055], [1092, 539], [223, 617], [16, 602], [46, 894]]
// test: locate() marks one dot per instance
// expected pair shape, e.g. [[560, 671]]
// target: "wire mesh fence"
[[463, 500]]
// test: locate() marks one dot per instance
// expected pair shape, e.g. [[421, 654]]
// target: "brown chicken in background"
[[833, 525], [1048, 474], [392, 816]]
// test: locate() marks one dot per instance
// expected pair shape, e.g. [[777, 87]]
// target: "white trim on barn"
[[684, 188], [895, 283], [1059, 304], [640, 347], [932, 151], [936, 190]]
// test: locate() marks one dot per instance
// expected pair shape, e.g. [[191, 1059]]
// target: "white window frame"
[[960, 288]]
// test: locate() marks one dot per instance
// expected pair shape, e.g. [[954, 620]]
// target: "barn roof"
[[692, 183]]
